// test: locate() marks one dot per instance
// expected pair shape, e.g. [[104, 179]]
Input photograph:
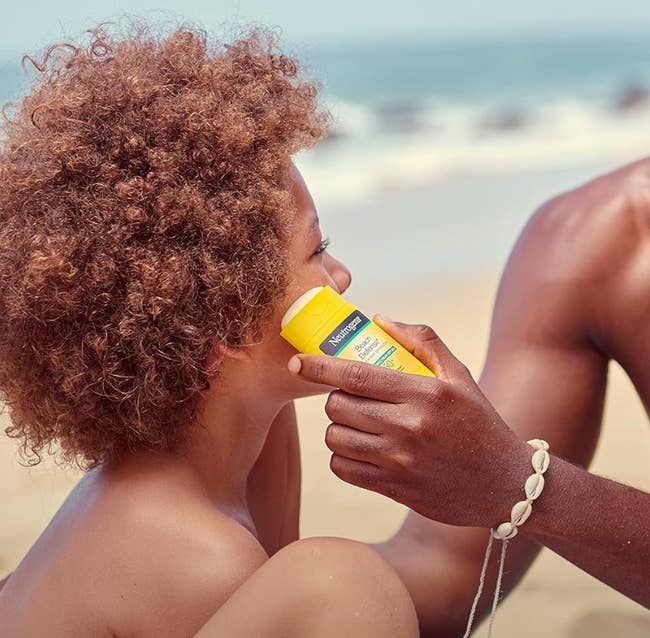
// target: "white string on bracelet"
[[520, 513]]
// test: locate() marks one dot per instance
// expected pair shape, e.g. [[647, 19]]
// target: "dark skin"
[[575, 295]]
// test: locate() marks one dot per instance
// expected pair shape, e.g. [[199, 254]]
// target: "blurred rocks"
[[631, 98], [400, 117], [507, 119]]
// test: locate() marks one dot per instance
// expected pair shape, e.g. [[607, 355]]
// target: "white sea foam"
[[377, 150]]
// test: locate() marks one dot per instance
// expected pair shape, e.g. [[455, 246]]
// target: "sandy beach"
[[555, 598]]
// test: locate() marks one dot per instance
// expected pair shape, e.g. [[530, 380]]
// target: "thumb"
[[423, 342]]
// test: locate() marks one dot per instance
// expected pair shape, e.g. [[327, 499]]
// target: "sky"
[[29, 25]]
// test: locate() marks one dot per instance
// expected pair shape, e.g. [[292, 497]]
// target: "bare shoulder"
[[606, 217], [174, 558], [585, 254], [141, 553]]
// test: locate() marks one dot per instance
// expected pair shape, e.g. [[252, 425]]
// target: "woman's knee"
[[352, 576], [338, 557], [319, 587]]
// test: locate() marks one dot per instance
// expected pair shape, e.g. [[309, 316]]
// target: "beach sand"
[[554, 599]]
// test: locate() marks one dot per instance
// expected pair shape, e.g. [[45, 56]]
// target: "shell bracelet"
[[520, 513]]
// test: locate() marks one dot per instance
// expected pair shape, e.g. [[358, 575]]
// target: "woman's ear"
[[221, 351], [240, 353]]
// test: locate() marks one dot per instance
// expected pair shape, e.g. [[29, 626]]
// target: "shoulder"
[[606, 217], [575, 255], [169, 559]]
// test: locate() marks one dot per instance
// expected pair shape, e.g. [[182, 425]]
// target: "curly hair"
[[144, 216]]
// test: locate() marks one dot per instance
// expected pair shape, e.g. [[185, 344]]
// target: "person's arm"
[[547, 379], [274, 484], [599, 525], [454, 461], [440, 563]]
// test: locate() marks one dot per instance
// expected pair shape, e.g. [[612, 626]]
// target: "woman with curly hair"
[[153, 230]]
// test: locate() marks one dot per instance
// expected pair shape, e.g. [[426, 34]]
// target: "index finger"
[[355, 377]]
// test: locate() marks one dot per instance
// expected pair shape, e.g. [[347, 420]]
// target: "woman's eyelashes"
[[322, 246]]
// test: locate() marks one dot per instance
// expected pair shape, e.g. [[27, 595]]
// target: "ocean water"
[[420, 111], [407, 113]]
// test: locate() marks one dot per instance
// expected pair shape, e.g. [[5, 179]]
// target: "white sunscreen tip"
[[298, 304]]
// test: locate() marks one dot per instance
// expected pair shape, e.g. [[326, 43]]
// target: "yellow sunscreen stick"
[[322, 322]]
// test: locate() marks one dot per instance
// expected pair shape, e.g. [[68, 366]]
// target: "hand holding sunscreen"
[[322, 322]]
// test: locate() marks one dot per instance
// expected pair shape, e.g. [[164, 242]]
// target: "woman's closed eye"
[[322, 246]]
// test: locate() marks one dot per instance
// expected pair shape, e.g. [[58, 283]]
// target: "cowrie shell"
[[540, 461], [534, 486], [521, 512], [505, 531], [538, 444], [512, 534]]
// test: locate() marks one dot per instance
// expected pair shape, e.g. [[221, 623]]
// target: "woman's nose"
[[339, 273]]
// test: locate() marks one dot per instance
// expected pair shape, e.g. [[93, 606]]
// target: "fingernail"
[[294, 364], [384, 318]]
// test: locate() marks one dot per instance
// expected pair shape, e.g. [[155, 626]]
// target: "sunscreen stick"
[[322, 322]]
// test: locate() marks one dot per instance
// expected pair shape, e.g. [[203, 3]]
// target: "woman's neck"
[[233, 428]]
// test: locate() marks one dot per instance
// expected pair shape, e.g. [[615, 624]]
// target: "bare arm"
[[274, 484], [597, 524], [547, 379]]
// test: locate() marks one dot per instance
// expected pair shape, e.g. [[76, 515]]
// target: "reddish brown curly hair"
[[144, 212]]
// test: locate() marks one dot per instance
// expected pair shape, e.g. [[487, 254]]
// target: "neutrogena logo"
[[344, 332]]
